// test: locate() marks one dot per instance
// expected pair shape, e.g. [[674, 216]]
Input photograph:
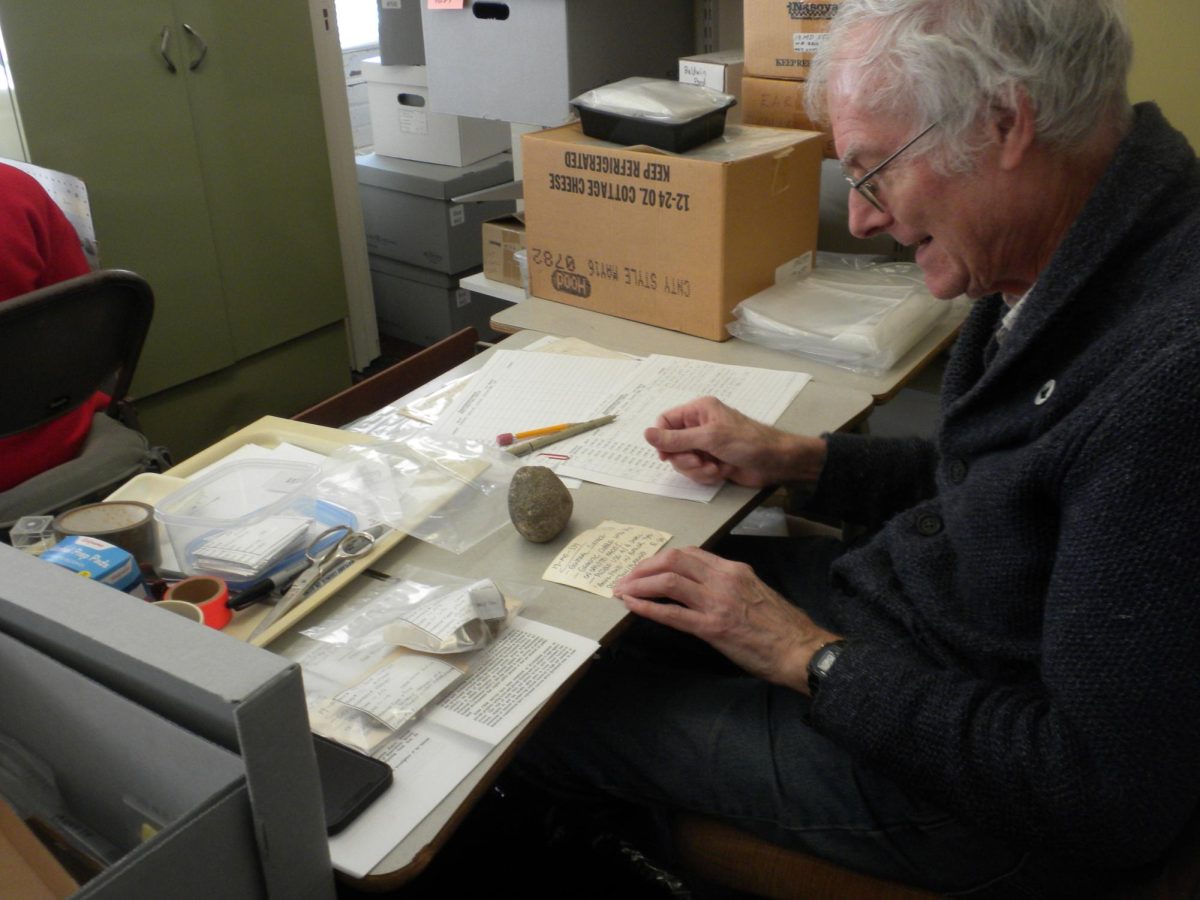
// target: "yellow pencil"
[[507, 438]]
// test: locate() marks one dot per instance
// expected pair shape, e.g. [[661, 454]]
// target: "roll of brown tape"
[[128, 524]]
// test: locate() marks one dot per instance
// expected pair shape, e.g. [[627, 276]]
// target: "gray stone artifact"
[[539, 504]]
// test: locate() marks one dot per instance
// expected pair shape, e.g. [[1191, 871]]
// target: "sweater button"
[[1044, 393], [958, 471], [929, 524]]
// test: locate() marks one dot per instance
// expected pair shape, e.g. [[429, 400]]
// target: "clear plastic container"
[[239, 494]]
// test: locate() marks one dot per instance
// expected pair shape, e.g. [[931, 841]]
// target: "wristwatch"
[[822, 663]]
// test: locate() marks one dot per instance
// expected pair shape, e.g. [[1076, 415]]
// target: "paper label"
[[414, 121], [390, 4], [458, 215], [462, 297], [704, 74], [594, 560], [807, 42], [445, 4]]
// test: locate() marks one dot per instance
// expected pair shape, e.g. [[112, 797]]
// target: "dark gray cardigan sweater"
[[1026, 618]]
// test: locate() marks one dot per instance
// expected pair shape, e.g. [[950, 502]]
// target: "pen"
[[507, 438], [545, 440], [264, 587]]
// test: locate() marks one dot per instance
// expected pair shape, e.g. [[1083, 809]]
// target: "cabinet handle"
[[162, 49], [195, 63]]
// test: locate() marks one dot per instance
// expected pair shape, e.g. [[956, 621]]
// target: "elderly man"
[[998, 686]]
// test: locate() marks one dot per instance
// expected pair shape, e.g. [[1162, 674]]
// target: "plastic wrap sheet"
[[859, 313]]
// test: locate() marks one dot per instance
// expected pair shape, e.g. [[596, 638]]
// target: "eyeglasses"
[[863, 185]]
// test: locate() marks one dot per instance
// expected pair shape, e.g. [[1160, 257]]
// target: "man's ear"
[[1012, 126]]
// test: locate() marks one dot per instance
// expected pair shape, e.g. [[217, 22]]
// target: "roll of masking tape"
[[207, 592], [182, 608], [127, 524]]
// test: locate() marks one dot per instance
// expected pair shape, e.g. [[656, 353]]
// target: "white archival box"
[[404, 125]]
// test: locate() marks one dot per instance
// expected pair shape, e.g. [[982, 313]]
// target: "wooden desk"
[[506, 556], [634, 337]]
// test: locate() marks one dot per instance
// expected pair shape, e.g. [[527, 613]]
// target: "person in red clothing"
[[40, 248]]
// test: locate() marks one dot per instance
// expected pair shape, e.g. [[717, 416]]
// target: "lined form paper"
[[618, 454], [517, 390]]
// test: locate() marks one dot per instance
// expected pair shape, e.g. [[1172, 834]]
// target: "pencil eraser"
[[504, 439]]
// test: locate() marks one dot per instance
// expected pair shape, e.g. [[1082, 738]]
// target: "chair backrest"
[[395, 381], [60, 344]]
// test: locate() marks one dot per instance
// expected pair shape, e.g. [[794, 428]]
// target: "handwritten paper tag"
[[596, 559], [445, 4]]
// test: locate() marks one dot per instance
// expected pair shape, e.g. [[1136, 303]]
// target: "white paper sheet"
[[517, 390], [512, 677], [618, 455], [427, 762]]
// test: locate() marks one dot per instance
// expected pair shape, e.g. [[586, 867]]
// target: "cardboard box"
[[400, 39], [410, 215], [523, 62], [779, 103], [404, 127], [501, 239], [421, 306], [675, 240], [782, 35], [721, 71], [187, 751], [27, 868]]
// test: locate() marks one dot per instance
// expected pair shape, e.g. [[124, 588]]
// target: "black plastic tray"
[[627, 130]]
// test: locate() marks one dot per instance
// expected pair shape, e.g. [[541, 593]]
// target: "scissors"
[[326, 556]]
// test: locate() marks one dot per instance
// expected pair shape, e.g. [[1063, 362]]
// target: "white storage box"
[[721, 71], [523, 62], [422, 307], [406, 128]]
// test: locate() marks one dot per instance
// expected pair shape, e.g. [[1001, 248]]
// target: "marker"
[[264, 587], [545, 440], [507, 438]]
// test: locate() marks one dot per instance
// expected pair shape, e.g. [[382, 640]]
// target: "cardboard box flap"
[[432, 180]]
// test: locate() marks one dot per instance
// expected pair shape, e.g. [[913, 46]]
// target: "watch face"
[[824, 661]]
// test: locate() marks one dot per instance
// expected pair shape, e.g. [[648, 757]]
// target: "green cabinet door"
[[260, 135], [98, 101]]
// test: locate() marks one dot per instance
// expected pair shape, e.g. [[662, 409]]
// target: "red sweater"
[[39, 247]]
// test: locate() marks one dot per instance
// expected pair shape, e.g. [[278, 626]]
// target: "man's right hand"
[[709, 442]]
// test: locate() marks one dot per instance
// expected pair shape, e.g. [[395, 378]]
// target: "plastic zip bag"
[[854, 312], [450, 492], [422, 610]]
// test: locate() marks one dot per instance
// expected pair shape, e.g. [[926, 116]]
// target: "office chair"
[[395, 381], [58, 346], [723, 855]]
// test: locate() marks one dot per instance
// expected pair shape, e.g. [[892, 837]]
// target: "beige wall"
[[1166, 64]]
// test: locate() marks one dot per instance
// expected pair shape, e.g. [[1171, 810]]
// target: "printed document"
[[509, 680]]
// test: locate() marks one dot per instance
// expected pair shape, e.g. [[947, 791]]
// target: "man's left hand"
[[724, 603]]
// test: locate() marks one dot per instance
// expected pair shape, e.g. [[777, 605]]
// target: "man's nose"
[[865, 220]]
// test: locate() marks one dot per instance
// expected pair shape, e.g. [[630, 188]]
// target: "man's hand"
[[725, 604], [709, 442]]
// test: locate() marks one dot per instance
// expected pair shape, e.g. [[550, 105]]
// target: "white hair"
[[951, 61]]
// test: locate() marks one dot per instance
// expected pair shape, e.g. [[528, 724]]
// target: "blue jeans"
[[663, 721]]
